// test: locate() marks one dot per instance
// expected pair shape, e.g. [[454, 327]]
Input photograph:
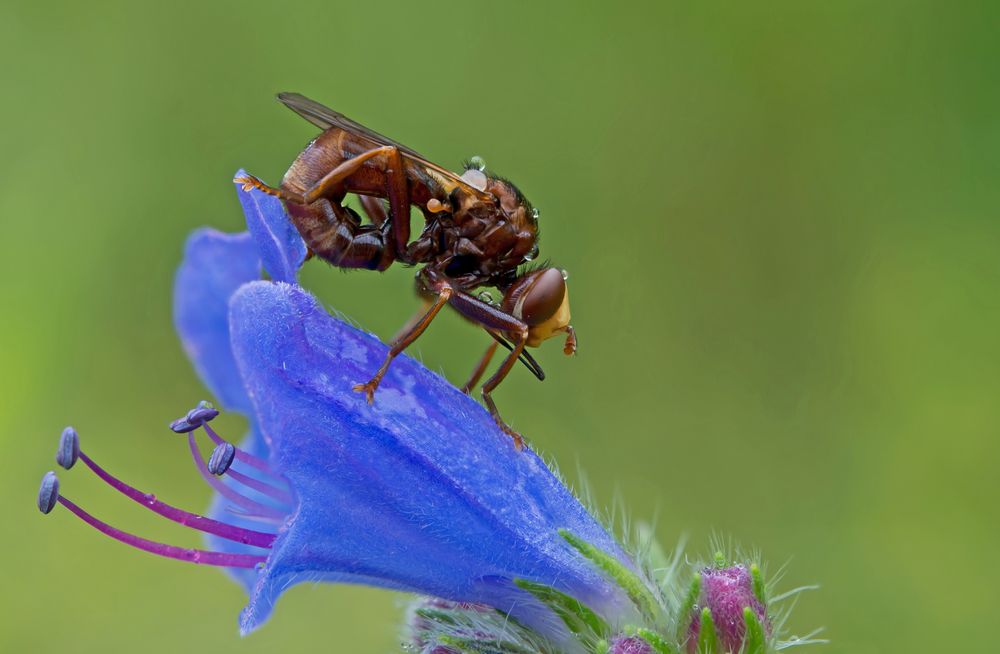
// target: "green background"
[[780, 224]]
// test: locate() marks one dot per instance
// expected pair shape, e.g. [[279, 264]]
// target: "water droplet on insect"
[[564, 274], [531, 256], [487, 297], [477, 162], [535, 213]]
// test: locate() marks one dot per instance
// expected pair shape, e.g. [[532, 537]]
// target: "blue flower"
[[420, 492]]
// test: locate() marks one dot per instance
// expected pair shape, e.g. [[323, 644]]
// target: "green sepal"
[[656, 641], [756, 641], [687, 608], [706, 633], [437, 616], [578, 618], [759, 589], [625, 578]]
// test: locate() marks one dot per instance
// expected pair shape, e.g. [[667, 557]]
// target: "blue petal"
[[278, 242], [214, 266], [419, 492]]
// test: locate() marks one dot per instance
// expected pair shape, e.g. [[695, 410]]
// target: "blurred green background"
[[780, 224]]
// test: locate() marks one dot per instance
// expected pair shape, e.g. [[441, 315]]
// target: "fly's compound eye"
[[543, 297], [540, 299]]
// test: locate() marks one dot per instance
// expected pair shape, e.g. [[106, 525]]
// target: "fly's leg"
[[388, 157], [250, 182], [425, 304], [331, 231], [331, 188], [335, 234], [495, 321], [495, 380], [400, 344], [480, 368], [374, 209]]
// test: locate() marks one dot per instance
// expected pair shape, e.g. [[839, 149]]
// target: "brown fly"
[[479, 231]]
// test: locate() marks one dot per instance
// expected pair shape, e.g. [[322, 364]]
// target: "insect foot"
[[368, 389]]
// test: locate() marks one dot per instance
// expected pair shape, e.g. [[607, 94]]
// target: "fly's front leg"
[[401, 343], [495, 320]]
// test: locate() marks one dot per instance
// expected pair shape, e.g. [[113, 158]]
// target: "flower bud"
[[730, 605], [630, 645]]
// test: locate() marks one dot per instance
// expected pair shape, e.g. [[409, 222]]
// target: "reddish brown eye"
[[543, 298]]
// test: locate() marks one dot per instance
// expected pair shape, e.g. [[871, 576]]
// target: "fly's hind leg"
[[334, 185], [249, 183], [335, 234]]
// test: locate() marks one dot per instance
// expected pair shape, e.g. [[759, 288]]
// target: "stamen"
[[226, 491], [260, 486], [180, 516], [241, 513], [221, 459], [241, 456], [48, 492], [202, 557], [196, 417], [222, 448], [69, 448]]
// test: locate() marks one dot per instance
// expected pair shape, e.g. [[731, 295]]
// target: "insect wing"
[[326, 118]]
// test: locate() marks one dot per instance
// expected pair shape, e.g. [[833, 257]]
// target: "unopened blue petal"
[[419, 492], [214, 266], [278, 242]]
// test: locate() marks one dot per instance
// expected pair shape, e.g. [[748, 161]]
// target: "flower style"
[[421, 492]]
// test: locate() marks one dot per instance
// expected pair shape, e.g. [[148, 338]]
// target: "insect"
[[479, 231]]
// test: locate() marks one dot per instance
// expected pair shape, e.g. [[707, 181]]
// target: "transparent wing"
[[326, 118]]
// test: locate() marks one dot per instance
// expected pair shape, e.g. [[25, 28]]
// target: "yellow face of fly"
[[541, 300], [555, 324]]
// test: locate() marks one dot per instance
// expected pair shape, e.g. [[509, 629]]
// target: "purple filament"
[[244, 457], [193, 520], [263, 487], [253, 507], [240, 513], [202, 557]]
